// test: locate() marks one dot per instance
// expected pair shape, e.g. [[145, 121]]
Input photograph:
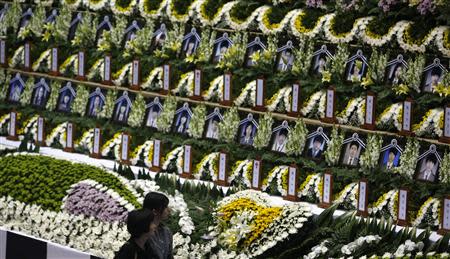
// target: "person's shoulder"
[[126, 251]]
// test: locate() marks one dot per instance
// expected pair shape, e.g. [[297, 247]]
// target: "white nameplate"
[[69, 135], [125, 143], [135, 80], [446, 215], [447, 122], [156, 152], [402, 204], [326, 196], [292, 181], [330, 104], [96, 144], [187, 159], [2, 52], [81, 63], [166, 77], [260, 92], [26, 58], [12, 124], [369, 109], [54, 60], [295, 97], [197, 82], [107, 69], [255, 175], [40, 130], [227, 87], [222, 166], [362, 196], [407, 116]]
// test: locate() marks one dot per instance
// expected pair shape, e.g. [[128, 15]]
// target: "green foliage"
[[340, 59], [166, 117], [85, 33], [172, 44], [264, 132], [297, 138], [235, 54], [205, 48], [444, 176], [377, 65], [229, 126], [137, 112], [79, 104], [37, 21], [4, 82], [303, 56], [62, 24], [413, 74], [409, 159], [27, 93], [369, 159], [108, 108], [141, 43], [333, 151], [53, 99], [44, 181], [12, 17], [197, 123]]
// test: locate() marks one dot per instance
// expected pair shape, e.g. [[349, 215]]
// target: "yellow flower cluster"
[[299, 24], [266, 20], [227, 211], [106, 145]]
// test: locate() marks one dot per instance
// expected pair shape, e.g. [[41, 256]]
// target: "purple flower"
[[387, 4], [426, 6], [314, 3]]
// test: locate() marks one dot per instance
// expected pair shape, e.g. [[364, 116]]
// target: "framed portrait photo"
[[256, 46], [321, 60], [352, 150], [104, 25], [66, 96], [285, 57], [390, 155], [182, 119], [41, 91], [159, 37], [247, 130], [316, 144], [122, 108], [154, 109], [432, 76], [190, 43], [428, 165], [221, 45], [395, 70], [96, 100], [212, 124], [279, 137], [356, 67], [16, 87]]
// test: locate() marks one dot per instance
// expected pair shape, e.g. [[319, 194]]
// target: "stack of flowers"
[[431, 124], [143, 153], [215, 89], [154, 80], [123, 75], [113, 145], [175, 158], [241, 173], [207, 168], [247, 95], [311, 187], [353, 114], [86, 141], [185, 86], [315, 105], [71, 63], [391, 116], [59, 133], [279, 173], [18, 57], [30, 127], [44, 57], [92, 199], [428, 213], [387, 203], [281, 101], [97, 69], [347, 197]]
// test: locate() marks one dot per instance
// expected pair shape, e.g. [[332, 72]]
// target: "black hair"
[[318, 138], [138, 222], [354, 143], [431, 159], [156, 201]]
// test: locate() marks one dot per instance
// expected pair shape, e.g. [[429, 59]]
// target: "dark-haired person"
[[161, 242], [141, 226]]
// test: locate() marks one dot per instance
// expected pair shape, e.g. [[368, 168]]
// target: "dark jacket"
[[161, 243], [130, 250]]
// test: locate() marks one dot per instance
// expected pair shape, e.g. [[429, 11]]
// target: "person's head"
[[66, 99], [214, 125], [434, 78], [281, 138], [96, 100], [158, 203], [141, 222], [353, 149], [122, 108], [223, 49], [317, 142], [183, 120], [398, 71], [391, 156], [154, 114], [248, 130], [430, 162]]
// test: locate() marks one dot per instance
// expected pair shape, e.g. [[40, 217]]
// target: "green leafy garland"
[[333, 151], [229, 126], [85, 33], [369, 159], [264, 132], [166, 117], [409, 159], [53, 99], [108, 108], [445, 169], [25, 99], [340, 59], [79, 104], [377, 65], [137, 112], [413, 74], [297, 138], [303, 55], [197, 123]]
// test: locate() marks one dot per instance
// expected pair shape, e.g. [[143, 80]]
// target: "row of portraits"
[[356, 66]]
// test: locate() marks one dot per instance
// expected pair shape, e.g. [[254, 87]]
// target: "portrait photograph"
[[25, 18], [253, 47], [279, 140], [321, 60], [159, 37], [395, 69], [131, 31], [316, 147], [16, 86], [432, 78], [428, 169], [390, 159], [352, 153], [104, 25], [285, 57], [65, 100], [212, 128], [96, 101], [356, 67], [221, 45], [152, 117], [190, 43], [122, 108], [40, 93], [76, 19], [182, 122], [247, 133]]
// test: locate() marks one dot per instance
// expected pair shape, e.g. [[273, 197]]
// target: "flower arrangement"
[[386, 205], [148, 9], [444, 176], [154, 80], [281, 101], [309, 189], [86, 31], [228, 126], [108, 108], [30, 127], [391, 116], [143, 153], [334, 37], [215, 89], [333, 151], [197, 121], [274, 28], [354, 112], [413, 74], [86, 140], [123, 76], [175, 159], [18, 57], [241, 173], [139, 45], [264, 132], [79, 104], [235, 54], [71, 64], [137, 112], [247, 95], [369, 159], [339, 61], [97, 70], [58, 133], [409, 159], [185, 86], [429, 213], [280, 174], [53, 98], [166, 117], [315, 105], [120, 8], [348, 196], [207, 168], [297, 138], [351, 247], [43, 61], [112, 145], [432, 123], [27, 94]]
